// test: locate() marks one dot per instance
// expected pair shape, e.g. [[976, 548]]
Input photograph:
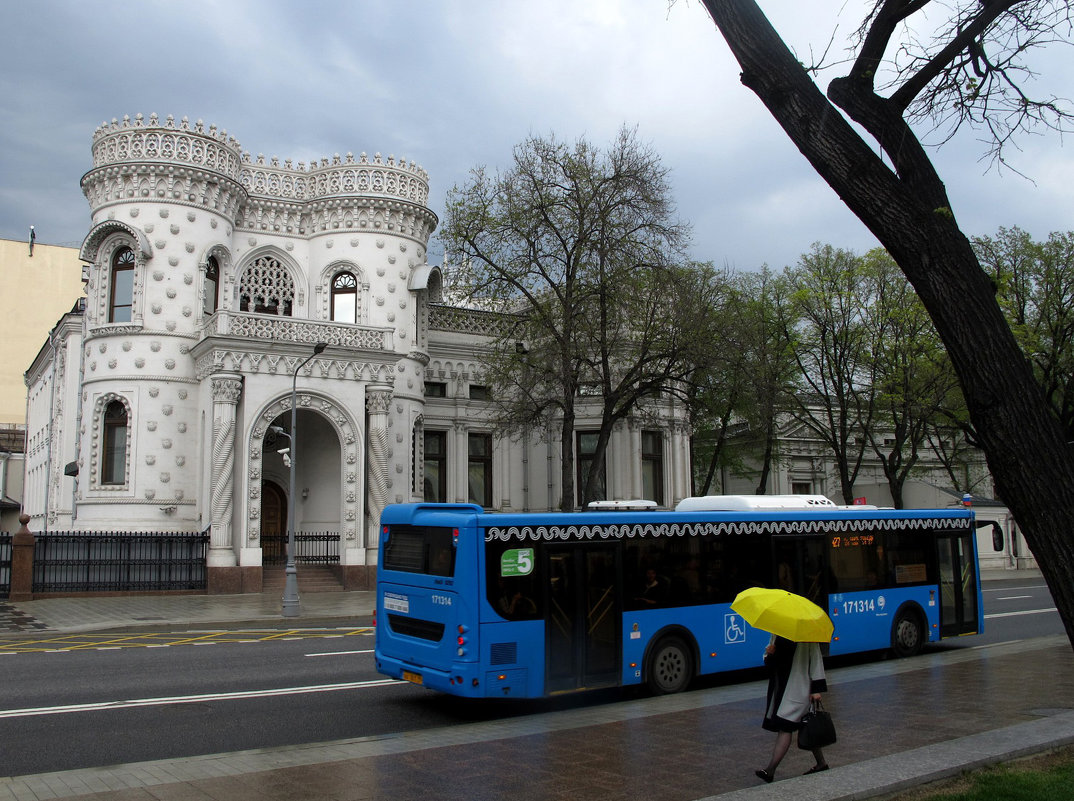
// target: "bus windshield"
[[421, 549]]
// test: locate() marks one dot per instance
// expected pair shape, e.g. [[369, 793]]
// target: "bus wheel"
[[907, 635], [671, 667]]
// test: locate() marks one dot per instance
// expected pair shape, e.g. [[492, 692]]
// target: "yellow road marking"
[[65, 643]]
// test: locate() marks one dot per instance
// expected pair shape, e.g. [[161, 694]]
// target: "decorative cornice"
[[233, 359], [148, 160], [340, 176], [150, 140]]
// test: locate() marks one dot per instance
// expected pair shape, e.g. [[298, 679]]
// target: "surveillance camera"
[[283, 451]]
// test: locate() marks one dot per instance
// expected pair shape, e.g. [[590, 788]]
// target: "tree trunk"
[[910, 215], [566, 464], [766, 462]]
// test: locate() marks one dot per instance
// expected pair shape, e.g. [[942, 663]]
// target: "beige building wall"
[[38, 291]]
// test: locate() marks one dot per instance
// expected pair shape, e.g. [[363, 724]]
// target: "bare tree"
[[583, 248], [969, 74]]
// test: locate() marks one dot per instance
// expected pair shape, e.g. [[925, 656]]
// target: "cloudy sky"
[[454, 84]]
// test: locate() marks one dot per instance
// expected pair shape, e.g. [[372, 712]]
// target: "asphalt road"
[[107, 699]]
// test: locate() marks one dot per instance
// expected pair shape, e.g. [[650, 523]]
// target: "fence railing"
[[119, 562], [311, 548]]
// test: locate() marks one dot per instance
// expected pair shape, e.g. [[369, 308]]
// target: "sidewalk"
[[901, 723]]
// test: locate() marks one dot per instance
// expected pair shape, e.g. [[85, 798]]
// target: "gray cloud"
[[452, 85]]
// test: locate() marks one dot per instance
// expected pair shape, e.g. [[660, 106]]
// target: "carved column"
[[377, 403], [223, 573]]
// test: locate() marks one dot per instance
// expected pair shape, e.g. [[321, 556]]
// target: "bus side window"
[[516, 596]]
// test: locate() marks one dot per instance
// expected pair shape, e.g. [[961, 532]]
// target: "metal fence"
[[76, 561], [311, 548]]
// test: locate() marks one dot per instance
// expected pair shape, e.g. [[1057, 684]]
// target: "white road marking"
[[133, 703], [340, 653], [1025, 612]]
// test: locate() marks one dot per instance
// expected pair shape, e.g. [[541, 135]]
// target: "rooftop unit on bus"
[[753, 503], [636, 505]]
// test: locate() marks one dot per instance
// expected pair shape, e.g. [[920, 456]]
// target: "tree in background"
[[913, 376], [583, 248], [1035, 286], [964, 66], [835, 348], [744, 380]]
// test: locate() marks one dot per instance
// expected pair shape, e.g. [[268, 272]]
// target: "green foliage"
[[1035, 288]]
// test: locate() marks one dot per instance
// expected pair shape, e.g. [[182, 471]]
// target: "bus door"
[[800, 565], [583, 648], [958, 584]]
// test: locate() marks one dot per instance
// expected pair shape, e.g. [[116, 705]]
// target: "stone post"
[[22, 562], [224, 575]]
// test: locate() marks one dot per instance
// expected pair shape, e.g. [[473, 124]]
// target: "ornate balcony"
[[273, 328]]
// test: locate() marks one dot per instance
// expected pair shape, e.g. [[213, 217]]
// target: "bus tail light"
[[461, 641]]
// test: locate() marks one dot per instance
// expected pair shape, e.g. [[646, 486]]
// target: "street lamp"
[[290, 587]]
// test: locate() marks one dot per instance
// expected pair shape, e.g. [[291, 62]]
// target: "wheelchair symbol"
[[733, 631]]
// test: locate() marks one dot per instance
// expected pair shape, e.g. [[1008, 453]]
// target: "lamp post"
[[290, 587]]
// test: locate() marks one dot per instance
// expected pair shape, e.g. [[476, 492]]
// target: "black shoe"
[[764, 775], [816, 769]]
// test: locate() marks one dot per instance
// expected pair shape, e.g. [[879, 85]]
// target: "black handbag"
[[817, 729]]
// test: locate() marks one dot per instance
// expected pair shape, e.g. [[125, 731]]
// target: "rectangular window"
[[801, 488], [585, 448], [420, 549], [114, 445], [479, 469], [652, 466], [479, 392], [435, 490], [435, 389], [122, 296], [114, 463]]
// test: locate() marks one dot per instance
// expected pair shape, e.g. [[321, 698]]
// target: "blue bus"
[[483, 604]]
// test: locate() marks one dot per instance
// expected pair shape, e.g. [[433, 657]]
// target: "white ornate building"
[[210, 276]]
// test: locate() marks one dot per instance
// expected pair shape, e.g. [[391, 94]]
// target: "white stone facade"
[[210, 275]]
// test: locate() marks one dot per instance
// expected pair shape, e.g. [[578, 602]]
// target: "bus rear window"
[[420, 549]]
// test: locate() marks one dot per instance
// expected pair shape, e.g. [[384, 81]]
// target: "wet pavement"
[[900, 723]]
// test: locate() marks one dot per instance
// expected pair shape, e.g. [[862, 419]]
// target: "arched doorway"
[[318, 494], [273, 524]]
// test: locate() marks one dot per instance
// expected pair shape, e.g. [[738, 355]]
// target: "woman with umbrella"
[[794, 660]]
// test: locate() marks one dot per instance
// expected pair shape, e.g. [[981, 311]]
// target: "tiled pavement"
[[900, 722]]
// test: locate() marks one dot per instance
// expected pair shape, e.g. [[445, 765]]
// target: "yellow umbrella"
[[784, 614]]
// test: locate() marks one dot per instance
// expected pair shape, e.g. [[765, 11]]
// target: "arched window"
[[212, 285], [121, 300], [267, 288], [114, 453], [345, 298]]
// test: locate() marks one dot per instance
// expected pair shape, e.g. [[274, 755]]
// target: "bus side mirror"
[[997, 533]]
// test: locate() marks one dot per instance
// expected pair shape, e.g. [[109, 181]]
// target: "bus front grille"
[[412, 627]]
